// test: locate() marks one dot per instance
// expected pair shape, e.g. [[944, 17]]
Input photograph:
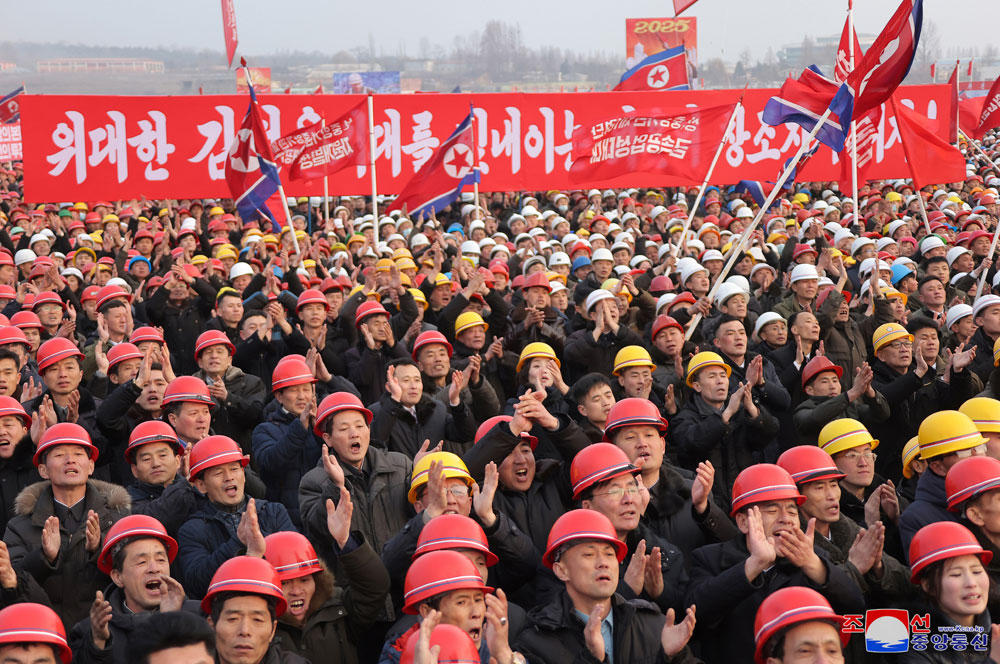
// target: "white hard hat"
[[766, 318], [726, 291], [957, 313], [602, 254], [804, 271], [470, 247], [239, 270], [24, 256]]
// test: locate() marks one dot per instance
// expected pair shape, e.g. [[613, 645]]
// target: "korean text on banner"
[[665, 143], [86, 147]]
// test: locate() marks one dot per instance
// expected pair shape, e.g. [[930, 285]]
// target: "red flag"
[[989, 117], [844, 64], [969, 73], [319, 90], [953, 116], [930, 159], [201, 90], [969, 111], [10, 106], [251, 173], [666, 70], [341, 143], [288, 148], [681, 5], [660, 144], [867, 137], [887, 62], [229, 29], [933, 71], [288, 90]]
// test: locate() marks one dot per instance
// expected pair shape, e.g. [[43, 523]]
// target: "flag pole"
[[475, 162], [854, 124], [371, 155], [704, 184], [976, 146], [326, 187], [748, 232], [982, 277], [281, 187]]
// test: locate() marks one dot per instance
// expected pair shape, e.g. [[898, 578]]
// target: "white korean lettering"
[[151, 145], [71, 139], [109, 143], [216, 134], [423, 145]]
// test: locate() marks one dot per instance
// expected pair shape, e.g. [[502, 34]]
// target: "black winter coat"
[[584, 355], [395, 428], [241, 411], [117, 415], [284, 451], [931, 505], [16, 473], [170, 505], [182, 325]]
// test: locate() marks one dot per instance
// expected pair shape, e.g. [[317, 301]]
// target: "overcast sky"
[[725, 27]]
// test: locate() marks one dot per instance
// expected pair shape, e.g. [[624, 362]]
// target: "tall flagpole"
[[854, 124], [281, 187], [326, 188], [749, 230], [704, 184], [475, 161], [371, 155]]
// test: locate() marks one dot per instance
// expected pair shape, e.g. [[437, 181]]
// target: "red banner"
[[340, 144], [229, 29], [10, 142], [680, 143], [646, 36], [88, 147]]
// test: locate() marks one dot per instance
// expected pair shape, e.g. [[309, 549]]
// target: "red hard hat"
[[581, 525], [152, 431], [454, 643], [965, 480], [942, 540], [212, 338], [791, 606], [247, 575], [55, 350], [187, 389], [34, 623], [292, 555], [330, 284], [337, 402], [662, 322], [112, 292], [428, 338], [122, 352], [311, 296], [147, 333], [10, 406], [289, 373], [134, 525], [809, 463], [12, 335], [64, 433], [439, 572], [598, 463], [762, 482], [47, 297], [497, 419], [366, 309], [818, 365], [89, 293], [214, 451], [682, 298], [454, 531], [633, 412], [537, 280], [26, 319]]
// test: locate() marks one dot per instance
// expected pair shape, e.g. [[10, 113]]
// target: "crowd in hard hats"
[[549, 427]]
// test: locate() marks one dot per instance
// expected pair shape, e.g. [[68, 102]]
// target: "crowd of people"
[[549, 427]]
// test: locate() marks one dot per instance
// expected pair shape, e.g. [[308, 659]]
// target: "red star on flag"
[[459, 160]]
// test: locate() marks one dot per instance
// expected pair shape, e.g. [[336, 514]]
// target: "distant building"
[[100, 65], [7, 66], [821, 51]]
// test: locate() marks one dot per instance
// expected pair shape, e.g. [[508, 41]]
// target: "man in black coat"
[[181, 307], [16, 469]]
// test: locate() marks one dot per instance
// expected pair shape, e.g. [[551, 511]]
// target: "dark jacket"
[[208, 539], [366, 368], [977, 651], [117, 415], [931, 505], [340, 620], [259, 357], [171, 505], [727, 602], [552, 330], [108, 469], [285, 451], [982, 364], [816, 412], [395, 428], [584, 355], [73, 579], [16, 473], [554, 634], [848, 343], [182, 325], [241, 411], [699, 434], [854, 509]]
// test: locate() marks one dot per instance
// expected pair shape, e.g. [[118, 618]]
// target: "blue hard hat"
[[579, 262], [899, 272]]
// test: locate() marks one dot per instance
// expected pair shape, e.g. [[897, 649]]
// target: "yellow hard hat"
[[469, 319], [702, 360], [537, 349], [888, 333], [910, 452], [419, 296], [402, 252], [110, 219], [947, 431], [216, 210], [800, 198], [844, 434], [890, 293], [894, 197], [441, 280], [555, 276], [226, 252], [609, 285], [383, 265], [452, 467], [984, 412], [80, 207], [632, 356], [405, 280], [307, 263], [198, 259], [270, 239], [405, 263], [996, 353]]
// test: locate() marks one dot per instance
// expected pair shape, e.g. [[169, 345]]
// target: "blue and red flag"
[[666, 70], [251, 173], [441, 180], [10, 107], [886, 63], [804, 100]]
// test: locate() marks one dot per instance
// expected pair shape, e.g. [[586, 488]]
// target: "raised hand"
[[762, 548], [701, 488], [426, 449], [332, 467], [867, 548], [392, 385], [248, 531], [93, 531], [635, 573], [482, 499], [652, 575], [338, 518], [592, 633], [673, 638], [100, 619], [73, 406], [797, 547], [51, 539], [8, 577], [888, 500], [173, 599]]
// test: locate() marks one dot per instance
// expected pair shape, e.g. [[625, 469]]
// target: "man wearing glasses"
[[946, 437], [912, 390]]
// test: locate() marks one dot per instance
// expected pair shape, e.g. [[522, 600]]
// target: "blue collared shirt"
[[607, 632]]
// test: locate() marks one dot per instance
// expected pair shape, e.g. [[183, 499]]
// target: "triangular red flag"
[[887, 61], [681, 5], [969, 110], [930, 159], [844, 65], [989, 117], [953, 116]]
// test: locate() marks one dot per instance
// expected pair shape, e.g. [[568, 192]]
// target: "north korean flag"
[[251, 173], [441, 180], [10, 107], [666, 70]]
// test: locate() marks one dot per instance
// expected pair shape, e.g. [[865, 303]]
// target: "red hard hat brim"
[[806, 614]]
